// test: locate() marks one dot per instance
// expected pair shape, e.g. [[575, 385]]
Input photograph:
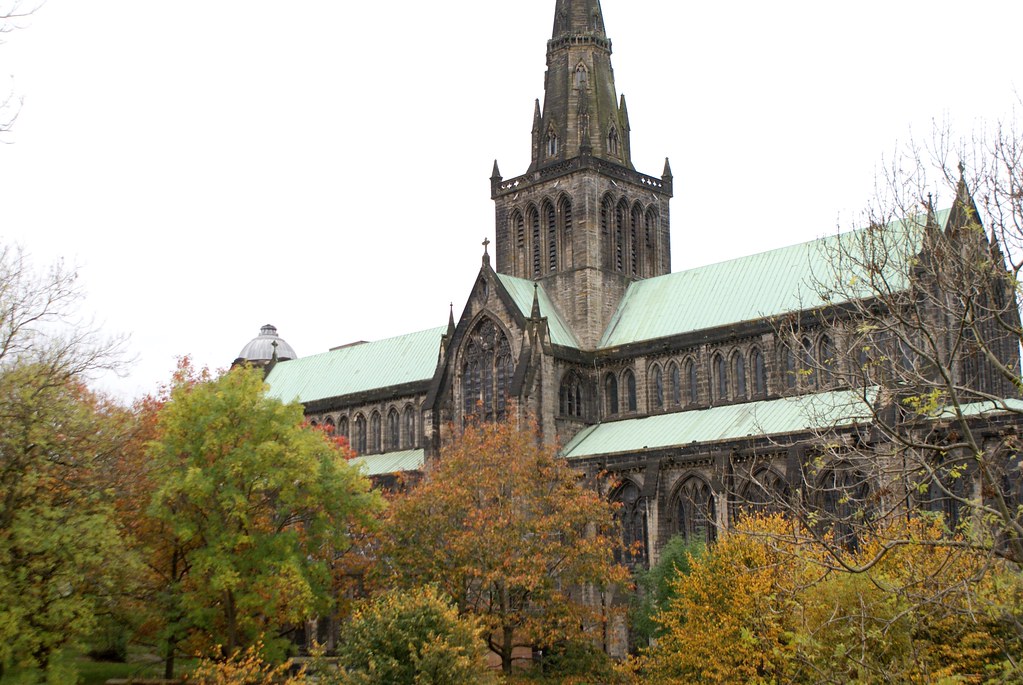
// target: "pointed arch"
[[842, 496], [693, 510], [409, 427], [650, 229], [328, 425], [629, 378], [551, 142], [620, 233], [675, 379], [692, 382], [392, 436], [342, 426], [756, 363], [570, 395], [630, 515], [486, 370], [635, 242], [657, 387], [374, 432], [739, 374], [720, 379], [765, 491], [610, 394], [807, 364], [535, 240], [550, 231], [517, 227], [826, 360], [359, 438], [565, 230], [607, 204]]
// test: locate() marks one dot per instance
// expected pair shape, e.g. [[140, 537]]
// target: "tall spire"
[[581, 114]]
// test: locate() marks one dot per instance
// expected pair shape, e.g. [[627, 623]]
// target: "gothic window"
[[611, 394], [314, 423], [410, 427], [342, 426], [551, 227], [720, 377], [765, 492], [518, 227], [658, 396], [634, 244], [739, 367], [359, 439], [676, 384], [694, 511], [552, 143], [692, 382], [606, 218], [486, 372], [947, 491], [393, 438], [328, 424], [537, 247], [621, 216], [808, 364], [756, 362], [650, 230], [630, 389], [630, 516], [826, 360], [842, 496], [612, 141], [570, 397], [566, 221], [374, 432], [789, 367]]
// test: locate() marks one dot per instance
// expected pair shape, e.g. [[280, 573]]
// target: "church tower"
[[582, 221]]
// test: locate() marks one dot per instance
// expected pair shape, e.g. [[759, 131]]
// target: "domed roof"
[[261, 348]]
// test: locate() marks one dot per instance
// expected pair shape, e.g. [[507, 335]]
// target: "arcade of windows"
[[377, 434], [542, 234], [629, 234]]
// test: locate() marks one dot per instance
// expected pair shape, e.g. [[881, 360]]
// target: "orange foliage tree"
[[510, 532]]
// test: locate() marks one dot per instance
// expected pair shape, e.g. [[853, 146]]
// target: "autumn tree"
[[510, 531], [257, 504], [60, 552]]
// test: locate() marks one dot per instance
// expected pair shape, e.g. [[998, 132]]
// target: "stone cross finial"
[[486, 243]]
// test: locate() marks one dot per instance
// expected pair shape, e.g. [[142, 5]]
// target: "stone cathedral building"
[[672, 381]]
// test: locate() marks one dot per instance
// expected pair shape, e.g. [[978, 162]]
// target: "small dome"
[[261, 348]]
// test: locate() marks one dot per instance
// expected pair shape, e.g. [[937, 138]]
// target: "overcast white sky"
[[323, 166]]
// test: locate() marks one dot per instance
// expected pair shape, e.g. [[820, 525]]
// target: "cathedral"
[[700, 390]]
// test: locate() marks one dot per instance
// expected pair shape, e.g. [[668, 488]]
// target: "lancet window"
[[631, 517], [486, 372], [393, 437], [410, 427], [694, 511], [570, 397]]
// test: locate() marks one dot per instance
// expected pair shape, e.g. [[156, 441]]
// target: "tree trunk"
[[507, 647]]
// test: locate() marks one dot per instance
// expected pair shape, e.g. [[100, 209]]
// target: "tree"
[[257, 503], [60, 552], [413, 636], [655, 586], [510, 531]]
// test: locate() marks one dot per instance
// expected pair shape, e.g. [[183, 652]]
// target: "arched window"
[[570, 397], [374, 432], [630, 516], [537, 247], [807, 365], [552, 143], [739, 368], [393, 438], [650, 229], [606, 219], [342, 426], [359, 439], [630, 390], [826, 360], [756, 362], [692, 382], [611, 394], [694, 511], [551, 228], [658, 388], [789, 367], [410, 427], [635, 225], [565, 208], [518, 227], [486, 371], [612, 141], [621, 218], [676, 384], [328, 424], [765, 492], [842, 497], [720, 378]]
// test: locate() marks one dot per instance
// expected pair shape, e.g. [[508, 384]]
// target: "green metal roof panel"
[[391, 462], [357, 368], [769, 417], [768, 284], [521, 291]]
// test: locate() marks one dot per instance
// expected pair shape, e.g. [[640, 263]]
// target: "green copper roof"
[[749, 288], [391, 462], [787, 415], [357, 368], [521, 290]]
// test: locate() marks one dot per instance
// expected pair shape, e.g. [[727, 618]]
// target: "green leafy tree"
[[413, 636], [60, 552], [511, 533], [655, 586], [258, 505]]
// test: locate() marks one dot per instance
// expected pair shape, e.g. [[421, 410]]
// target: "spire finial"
[[451, 320], [535, 314], [962, 170], [486, 253]]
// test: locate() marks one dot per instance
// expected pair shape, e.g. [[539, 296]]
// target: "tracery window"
[[359, 439], [570, 397], [486, 372], [630, 390], [676, 384], [720, 377], [374, 432], [611, 394], [842, 496], [630, 516], [393, 439], [739, 366], [658, 387], [765, 492], [410, 427], [694, 511], [759, 373]]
